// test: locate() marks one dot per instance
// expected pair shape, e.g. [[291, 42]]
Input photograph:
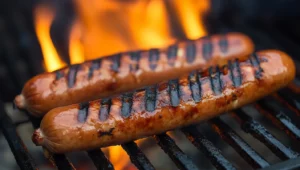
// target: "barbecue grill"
[[282, 109]]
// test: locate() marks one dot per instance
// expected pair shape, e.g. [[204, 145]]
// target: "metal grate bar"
[[181, 160], [16, 145], [286, 104], [228, 135], [21, 122], [259, 132], [276, 113], [100, 160], [207, 147], [137, 157], [61, 162], [291, 98], [290, 164]]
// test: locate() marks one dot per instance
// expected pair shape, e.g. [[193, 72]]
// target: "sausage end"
[[20, 101], [37, 137]]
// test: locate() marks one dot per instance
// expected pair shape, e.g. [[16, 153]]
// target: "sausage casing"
[[169, 105], [128, 71]]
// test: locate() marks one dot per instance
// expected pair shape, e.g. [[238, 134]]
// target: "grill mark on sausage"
[[190, 52], [94, 66], [83, 112], [195, 86], [135, 56], [59, 74], [256, 64], [116, 62], [223, 44], [172, 54], [235, 73], [153, 58], [215, 80], [72, 75], [150, 98], [104, 109], [105, 133], [174, 92], [207, 49], [126, 104]]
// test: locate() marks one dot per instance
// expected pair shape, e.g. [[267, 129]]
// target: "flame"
[[107, 27], [190, 14], [76, 49], [118, 157], [43, 19], [118, 26]]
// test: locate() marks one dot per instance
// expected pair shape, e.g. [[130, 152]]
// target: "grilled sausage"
[[159, 108], [128, 71]]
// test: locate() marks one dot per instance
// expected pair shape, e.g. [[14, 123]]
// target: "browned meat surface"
[[168, 105]]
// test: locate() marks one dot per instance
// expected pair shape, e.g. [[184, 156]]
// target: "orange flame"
[[43, 19], [106, 27], [116, 26], [190, 14], [118, 157], [76, 49]]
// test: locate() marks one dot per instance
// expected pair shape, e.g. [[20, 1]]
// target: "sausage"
[[128, 71], [158, 108]]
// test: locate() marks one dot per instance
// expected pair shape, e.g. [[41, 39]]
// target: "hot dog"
[[165, 106], [128, 71]]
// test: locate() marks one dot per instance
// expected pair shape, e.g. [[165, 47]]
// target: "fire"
[[190, 15], [119, 158], [118, 26], [43, 19], [76, 49], [106, 27]]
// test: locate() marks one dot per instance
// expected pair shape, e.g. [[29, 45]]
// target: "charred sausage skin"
[[128, 71], [165, 106]]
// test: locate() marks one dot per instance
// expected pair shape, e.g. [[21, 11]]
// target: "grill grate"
[[262, 134], [137, 157], [100, 160], [20, 152], [181, 160], [233, 139], [206, 146]]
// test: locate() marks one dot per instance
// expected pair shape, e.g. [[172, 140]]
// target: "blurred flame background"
[[102, 27]]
